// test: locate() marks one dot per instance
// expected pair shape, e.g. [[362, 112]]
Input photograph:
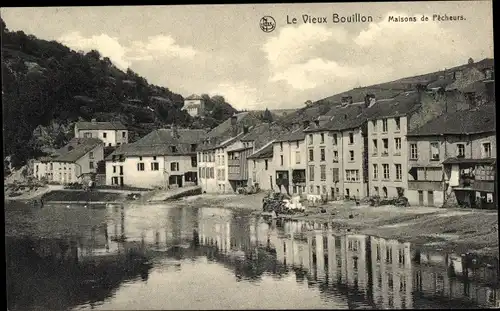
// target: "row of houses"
[[435, 144]]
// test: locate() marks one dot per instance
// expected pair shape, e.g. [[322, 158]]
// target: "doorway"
[[430, 198], [420, 197]]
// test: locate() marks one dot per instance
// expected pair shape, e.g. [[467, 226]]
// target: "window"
[[51, 165], [334, 139], [385, 167], [124, 134], [297, 157], [193, 162], [311, 189], [140, 158], [351, 155], [311, 172], [399, 171], [486, 150], [266, 164], [413, 152], [281, 159], [104, 135], [388, 256], [91, 165], [434, 151], [87, 135], [322, 138], [323, 172], [352, 175], [375, 171], [385, 143], [222, 159], [398, 123], [335, 156], [155, 166], [374, 125], [397, 144], [375, 146], [140, 166], [310, 139], [174, 166], [335, 173], [114, 168], [384, 126], [281, 146], [114, 180], [297, 144], [322, 154], [460, 150], [351, 138], [311, 155], [212, 171], [173, 149]]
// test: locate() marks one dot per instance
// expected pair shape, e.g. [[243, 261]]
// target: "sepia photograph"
[[250, 156]]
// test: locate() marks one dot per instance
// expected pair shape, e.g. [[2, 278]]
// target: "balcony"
[[425, 185]]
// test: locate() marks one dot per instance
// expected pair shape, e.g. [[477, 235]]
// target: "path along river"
[[194, 257]]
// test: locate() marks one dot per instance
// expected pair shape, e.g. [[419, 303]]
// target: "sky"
[[221, 49]]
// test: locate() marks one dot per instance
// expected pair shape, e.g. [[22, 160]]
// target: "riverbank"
[[458, 230]]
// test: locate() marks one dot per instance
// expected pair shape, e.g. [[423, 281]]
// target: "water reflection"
[[172, 249]]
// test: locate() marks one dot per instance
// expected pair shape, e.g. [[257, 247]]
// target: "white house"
[[163, 158], [68, 164], [111, 133]]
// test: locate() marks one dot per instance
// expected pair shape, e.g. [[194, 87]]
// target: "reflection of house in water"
[[442, 276], [215, 228], [391, 267]]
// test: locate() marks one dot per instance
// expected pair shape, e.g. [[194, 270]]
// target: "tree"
[[267, 116]]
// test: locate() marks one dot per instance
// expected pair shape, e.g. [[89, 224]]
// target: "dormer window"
[[458, 74], [193, 147], [173, 149]]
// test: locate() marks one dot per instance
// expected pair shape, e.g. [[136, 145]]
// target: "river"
[[204, 257]]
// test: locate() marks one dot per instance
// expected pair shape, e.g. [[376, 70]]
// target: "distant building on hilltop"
[[194, 105], [111, 133]]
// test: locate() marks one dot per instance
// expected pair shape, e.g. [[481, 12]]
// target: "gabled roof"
[[264, 153], [398, 106], [263, 133], [115, 125], [75, 149], [474, 121], [295, 135], [194, 97], [160, 141]]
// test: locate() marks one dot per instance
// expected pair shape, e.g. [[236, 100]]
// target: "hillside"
[[47, 87], [381, 91]]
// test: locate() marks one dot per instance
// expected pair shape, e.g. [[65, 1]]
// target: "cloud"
[[106, 45], [240, 95], [160, 46], [294, 43], [123, 55]]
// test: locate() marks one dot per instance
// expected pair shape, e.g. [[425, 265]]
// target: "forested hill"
[[46, 87]]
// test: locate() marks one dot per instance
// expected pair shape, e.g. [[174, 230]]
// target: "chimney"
[[470, 100], [93, 120], [174, 131], [369, 100], [233, 120], [490, 90], [305, 124]]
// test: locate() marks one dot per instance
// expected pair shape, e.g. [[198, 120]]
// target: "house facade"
[[452, 160], [388, 154], [164, 158], [289, 163], [79, 157], [112, 134], [259, 164]]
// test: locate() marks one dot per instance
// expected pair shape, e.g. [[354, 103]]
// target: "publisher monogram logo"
[[267, 24]]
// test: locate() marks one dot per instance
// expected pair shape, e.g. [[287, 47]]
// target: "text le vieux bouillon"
[[336, 18]]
